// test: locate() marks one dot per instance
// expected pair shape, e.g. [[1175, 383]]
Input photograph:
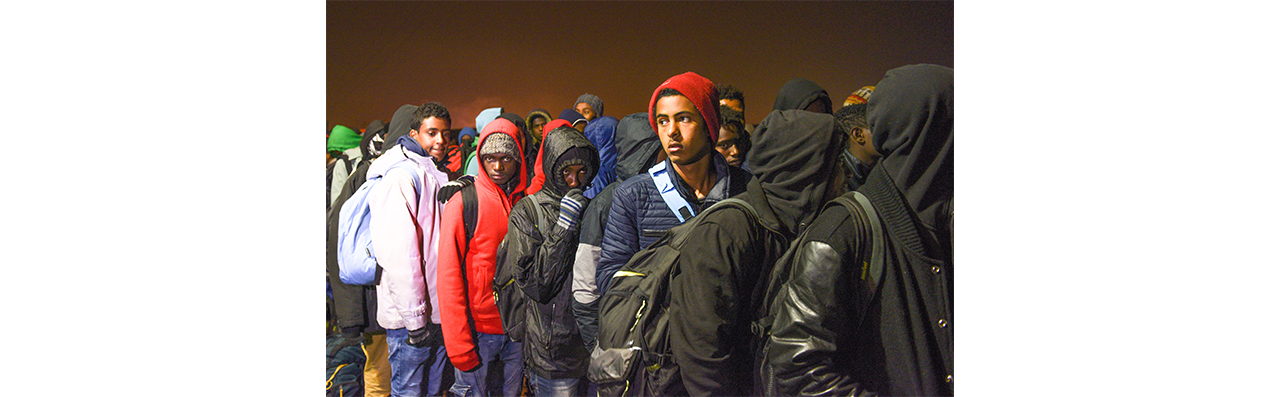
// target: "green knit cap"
[[342, 138]]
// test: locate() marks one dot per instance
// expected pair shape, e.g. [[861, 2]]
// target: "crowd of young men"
[[562, 204]]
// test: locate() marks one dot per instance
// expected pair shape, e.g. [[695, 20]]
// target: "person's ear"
[[858, 136]]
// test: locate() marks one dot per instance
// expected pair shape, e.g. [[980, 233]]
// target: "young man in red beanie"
[[472, 327], [684, 112]]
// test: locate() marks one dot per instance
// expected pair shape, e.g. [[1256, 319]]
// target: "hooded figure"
[[800, 93], [637, 148], [831, 336], [371, 143], [473, 301], [342, 138], [600, 133], [541, 240], [712, 299], [346, 141], [537, 133], [538, 177]]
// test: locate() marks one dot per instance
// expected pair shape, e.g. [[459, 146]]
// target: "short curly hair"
[[429, 109], [728, 92]]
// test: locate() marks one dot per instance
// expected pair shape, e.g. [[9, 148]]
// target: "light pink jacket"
[[405, 227]]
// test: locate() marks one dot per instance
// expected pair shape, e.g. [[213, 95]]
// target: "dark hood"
[[799, 93], [558, 142], [371, 142], [636, 144], [794, 154], [400, 123], [910, 117]]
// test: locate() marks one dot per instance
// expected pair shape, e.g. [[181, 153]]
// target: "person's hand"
[[571, 208], [454, 186], [419, 337]]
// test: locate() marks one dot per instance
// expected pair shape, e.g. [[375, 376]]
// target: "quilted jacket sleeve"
[[621, 235]]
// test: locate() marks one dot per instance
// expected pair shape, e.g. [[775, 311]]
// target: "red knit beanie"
[[701, 92]]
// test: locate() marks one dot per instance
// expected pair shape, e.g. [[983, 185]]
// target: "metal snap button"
[[942, 323]]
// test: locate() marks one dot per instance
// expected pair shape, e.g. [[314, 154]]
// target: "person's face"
[[500, 167], [431, 136], [732, 104], [586, 111], [681, 129], [576, 176], [466, 140], [727, 145], [536, 125]]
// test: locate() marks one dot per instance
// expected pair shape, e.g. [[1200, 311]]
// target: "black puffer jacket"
[[903, 343], [541, 254]]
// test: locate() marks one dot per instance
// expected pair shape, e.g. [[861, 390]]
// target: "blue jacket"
[[639, 216]]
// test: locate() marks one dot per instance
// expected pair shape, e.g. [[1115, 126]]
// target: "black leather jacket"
[[828, 339]]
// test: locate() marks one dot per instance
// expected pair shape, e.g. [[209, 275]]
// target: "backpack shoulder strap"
[[670, 195], [469, 208], [872, 272]]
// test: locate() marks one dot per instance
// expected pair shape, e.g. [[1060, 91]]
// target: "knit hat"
[[700, 91], [342, 138], [570, 115], [862, 95], [500, 143], [594, 101]]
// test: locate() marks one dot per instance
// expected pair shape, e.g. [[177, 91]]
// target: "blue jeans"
[[543, 387], [492, 348], [411, 366]]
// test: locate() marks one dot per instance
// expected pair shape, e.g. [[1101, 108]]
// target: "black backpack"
[[634, 317], [344, 366], [862, 212], [508, 296]]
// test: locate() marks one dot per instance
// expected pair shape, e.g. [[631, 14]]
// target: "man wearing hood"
[[472, 326], [589, 106], [828, 337], [535, 123], [405, 227], [713, 298], [800, 93], [344, 152], [356, 306], [600, 133], [638, 149], [684, 113], [541, 258], [472, 167]]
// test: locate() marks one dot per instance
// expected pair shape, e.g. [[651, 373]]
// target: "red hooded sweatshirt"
[[538, 177], [491, 226]]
